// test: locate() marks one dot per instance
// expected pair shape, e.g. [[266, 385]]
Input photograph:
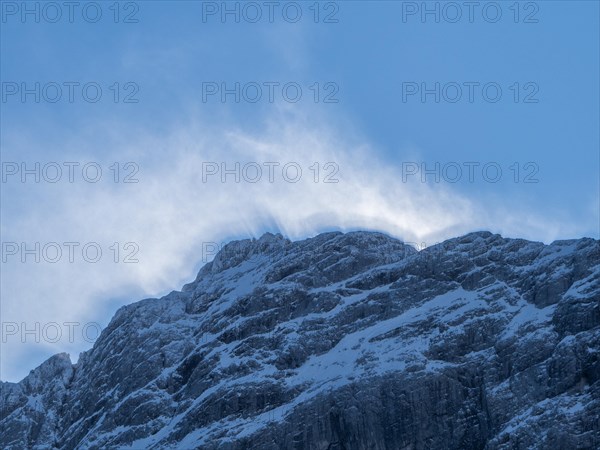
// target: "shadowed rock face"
[[342, 341]]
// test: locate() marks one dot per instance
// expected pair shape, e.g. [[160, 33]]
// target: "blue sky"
[[544, 57]]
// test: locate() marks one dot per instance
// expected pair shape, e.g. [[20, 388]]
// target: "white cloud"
[[171, 212]]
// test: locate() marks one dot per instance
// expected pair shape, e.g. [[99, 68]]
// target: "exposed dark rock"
[[343, 341]]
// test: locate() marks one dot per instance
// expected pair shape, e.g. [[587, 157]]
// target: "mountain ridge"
[[340, 314]]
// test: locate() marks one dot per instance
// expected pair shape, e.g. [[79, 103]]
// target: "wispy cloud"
[[172, 211]]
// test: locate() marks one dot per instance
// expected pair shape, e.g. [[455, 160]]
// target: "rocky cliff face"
[[342, 341]]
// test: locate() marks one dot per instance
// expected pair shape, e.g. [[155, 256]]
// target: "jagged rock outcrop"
[[342, 341]]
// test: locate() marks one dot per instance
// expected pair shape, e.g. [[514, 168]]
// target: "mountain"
[[342, 341]]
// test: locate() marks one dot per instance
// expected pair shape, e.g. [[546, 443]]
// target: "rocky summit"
[[342, 341]]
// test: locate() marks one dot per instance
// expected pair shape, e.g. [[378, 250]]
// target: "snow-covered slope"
[[342, 341]]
